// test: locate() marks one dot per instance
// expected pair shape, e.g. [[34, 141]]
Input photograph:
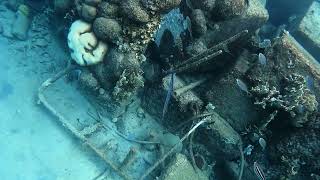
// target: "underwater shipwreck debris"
[[283, 90], [216, 33], [306, 30], [164, 157], [224, 18], [168, 96], [180, 168], [194, 62], [99, 120], [221, 138], [180, 91], [180, 108], [128, 160], [117, 75], [258, 171], [43, 101]]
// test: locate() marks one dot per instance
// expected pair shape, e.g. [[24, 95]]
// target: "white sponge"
[[84, 45]]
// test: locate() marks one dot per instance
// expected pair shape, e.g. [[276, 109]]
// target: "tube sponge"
[[84, 45]]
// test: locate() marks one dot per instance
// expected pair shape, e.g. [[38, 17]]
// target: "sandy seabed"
[[32, 144]]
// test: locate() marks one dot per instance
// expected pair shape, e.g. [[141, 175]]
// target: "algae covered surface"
[[159, 89]]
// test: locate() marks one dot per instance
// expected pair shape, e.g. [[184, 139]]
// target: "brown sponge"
[[107, 29]]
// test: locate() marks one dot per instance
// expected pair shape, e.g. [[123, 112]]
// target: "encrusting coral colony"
[[244, 98]]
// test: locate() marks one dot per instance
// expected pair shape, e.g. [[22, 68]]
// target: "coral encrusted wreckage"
[[230, 102]]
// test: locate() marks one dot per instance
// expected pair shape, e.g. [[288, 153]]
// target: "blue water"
[[6, 89]]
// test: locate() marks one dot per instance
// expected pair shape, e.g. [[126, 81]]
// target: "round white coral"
[[84, 45]]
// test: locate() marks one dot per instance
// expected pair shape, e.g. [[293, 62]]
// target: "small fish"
[[258, 171], [309, 82], [262, 143], [169, 94], [292, 18], [242, 86], [262, 59]]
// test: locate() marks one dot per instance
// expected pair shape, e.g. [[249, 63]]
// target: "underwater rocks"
[[109, 71], [306, 31], [88, 12], [127, 85], [40, 42], [62, 6], [126, 28], [108, 10], [205, 5], [298, 154], [227, 9], [199, 24], [106, 29], [87, 9], [181, 168], [160, 5], [119, 61], [208, 31], [88, 81], [142, 10], [252, 18], [134, 11]]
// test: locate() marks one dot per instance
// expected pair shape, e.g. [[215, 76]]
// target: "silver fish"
[[309, 82], [262, 143], [262, 59], [242, 86]]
